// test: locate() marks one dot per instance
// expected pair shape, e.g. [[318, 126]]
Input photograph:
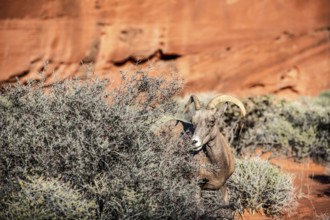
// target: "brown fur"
[[215, 158]]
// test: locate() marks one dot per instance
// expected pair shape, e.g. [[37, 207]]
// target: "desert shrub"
[[256, 185], [324, 216], [291, 139], [4, 103], [299, 128], [325, 95], [250, 133], [311, 119], [41, 198], [100, 142]]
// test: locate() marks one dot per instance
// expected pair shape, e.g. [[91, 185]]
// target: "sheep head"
[[206, 119]]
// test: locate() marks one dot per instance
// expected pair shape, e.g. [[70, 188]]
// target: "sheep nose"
[[194, 142]]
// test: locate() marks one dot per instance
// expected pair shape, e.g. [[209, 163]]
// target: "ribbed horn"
[[226, 98], [195, 100]]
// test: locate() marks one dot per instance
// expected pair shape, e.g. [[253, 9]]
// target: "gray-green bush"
[[257, 185], [41, 198], [310, 120], [299, 128], [100, 142]]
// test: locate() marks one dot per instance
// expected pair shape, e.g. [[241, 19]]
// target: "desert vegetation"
[[86, 149], [298, 129]]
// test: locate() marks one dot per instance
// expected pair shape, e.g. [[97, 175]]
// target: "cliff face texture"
[[244, 47]]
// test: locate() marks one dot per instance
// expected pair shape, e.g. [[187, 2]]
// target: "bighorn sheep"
[[215, 158]]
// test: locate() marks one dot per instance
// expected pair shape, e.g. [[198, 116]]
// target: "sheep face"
[[206, 119], [205, 128]]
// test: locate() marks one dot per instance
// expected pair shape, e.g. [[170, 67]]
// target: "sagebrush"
[[94, 145], [257, 185], [51, 198], [98, 142]]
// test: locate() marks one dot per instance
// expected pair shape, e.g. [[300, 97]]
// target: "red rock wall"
[[244, 47]]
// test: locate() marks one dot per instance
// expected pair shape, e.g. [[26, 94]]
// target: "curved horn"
[[195, 100], [226, 98]]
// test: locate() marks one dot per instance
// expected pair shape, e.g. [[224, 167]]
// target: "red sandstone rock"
[[241, 47]]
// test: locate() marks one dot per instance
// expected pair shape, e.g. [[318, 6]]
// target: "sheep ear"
[[187, 109], [188, 114], [193, 99]]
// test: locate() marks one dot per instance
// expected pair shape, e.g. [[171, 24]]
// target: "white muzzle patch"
[[197, 143]]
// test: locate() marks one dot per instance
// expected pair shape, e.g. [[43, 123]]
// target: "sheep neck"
[[218, 151]]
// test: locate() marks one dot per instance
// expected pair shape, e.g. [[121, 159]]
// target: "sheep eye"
[[211, 123]]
